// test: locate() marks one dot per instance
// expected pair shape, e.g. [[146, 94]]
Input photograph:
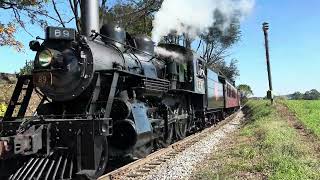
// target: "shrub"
[[3, 109]]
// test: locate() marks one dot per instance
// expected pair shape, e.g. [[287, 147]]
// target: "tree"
[[7, 37], [217, 40], [230, 71], [22, 13], [297, 96], [245, 90], [135, 16], [311, 95], [27, 69]]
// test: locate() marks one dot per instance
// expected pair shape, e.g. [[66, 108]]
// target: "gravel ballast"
[[182, 165]]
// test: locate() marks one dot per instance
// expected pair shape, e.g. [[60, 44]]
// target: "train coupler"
[[27, 143]]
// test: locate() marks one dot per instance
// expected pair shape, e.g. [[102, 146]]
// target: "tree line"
[[313, 94]]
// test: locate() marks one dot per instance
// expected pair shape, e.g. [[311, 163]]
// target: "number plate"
[[42, 79], [60, 33]]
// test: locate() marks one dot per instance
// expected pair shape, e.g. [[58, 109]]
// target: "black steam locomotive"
[[106, 96]]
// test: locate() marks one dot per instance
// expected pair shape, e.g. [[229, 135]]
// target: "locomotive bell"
[[144, 44], [113, 34]]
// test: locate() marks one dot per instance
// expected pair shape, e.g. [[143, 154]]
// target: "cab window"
[[200, 69]]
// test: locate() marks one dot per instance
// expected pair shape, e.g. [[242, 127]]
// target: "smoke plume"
[[193, 17], [168, 54]]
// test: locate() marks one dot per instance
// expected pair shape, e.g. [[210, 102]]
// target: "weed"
[[3, 109]]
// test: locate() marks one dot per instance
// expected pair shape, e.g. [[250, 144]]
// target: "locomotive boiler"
[[105, 94]]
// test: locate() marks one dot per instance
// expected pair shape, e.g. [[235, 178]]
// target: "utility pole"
[[265, 27]]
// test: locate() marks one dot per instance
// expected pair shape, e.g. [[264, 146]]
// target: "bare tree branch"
[[199, 45], [18, 19], [74, 4], [103, 8], [57, 12]]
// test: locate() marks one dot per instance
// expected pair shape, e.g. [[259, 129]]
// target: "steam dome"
[[144, 43], [114, 34]]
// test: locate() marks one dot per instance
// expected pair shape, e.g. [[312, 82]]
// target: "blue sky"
[[11, 60], [294, 47]]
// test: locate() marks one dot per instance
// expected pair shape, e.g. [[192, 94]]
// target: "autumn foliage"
[[20, 12], [7, 37]]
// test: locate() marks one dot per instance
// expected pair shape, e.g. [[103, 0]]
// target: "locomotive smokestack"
[[89, 16]]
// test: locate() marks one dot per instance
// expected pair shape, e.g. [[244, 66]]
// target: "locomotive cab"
[[185, 69]]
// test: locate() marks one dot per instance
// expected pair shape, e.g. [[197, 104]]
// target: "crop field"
[[308, 112]]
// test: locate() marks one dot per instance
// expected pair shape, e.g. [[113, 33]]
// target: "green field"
[[308, 112], [267, 147]]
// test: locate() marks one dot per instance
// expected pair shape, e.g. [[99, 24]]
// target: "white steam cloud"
[[168, 54], [193, 17]]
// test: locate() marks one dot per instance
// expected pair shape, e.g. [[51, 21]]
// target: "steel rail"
[[142, 166]]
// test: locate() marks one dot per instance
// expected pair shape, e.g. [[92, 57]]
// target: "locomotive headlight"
[[45, 58]]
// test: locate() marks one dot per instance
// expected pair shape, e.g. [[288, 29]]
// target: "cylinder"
[[124, 134], [89, 16], [120, 109], [127, 135]]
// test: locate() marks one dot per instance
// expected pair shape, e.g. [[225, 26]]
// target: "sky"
[[294, 47]]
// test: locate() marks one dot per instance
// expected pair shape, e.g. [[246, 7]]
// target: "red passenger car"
[[232, 98]]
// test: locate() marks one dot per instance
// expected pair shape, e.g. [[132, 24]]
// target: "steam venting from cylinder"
[[163, 52], [89, 16]]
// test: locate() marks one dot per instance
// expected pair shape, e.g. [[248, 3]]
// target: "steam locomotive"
[[106, 95]]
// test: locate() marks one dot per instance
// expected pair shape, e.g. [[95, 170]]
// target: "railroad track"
[[142, 167]]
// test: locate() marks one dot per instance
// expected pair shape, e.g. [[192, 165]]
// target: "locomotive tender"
[[106, 94]]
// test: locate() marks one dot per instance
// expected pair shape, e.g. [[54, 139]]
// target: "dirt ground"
[[6, 91]]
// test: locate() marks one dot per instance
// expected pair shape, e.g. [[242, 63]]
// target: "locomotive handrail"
[[126, 72]]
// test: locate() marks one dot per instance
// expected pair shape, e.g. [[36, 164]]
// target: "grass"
[[266, 147], [308, 112]]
